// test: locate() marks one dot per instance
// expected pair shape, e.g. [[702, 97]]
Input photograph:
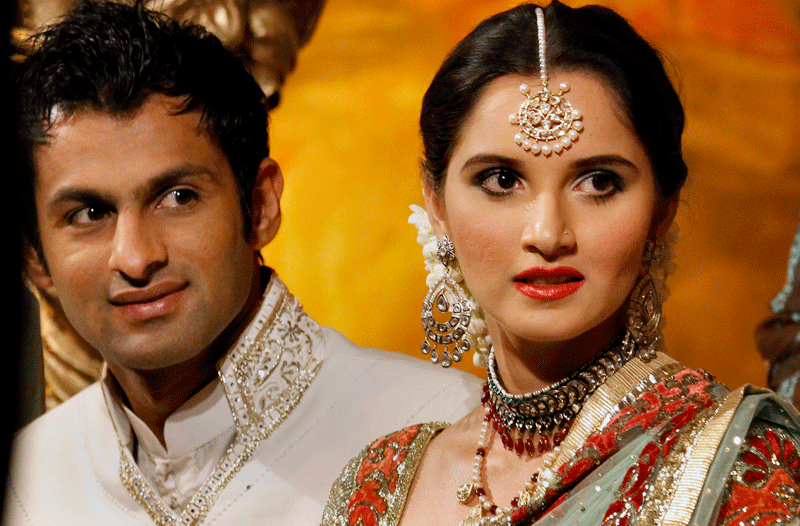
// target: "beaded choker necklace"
[[548, 412]]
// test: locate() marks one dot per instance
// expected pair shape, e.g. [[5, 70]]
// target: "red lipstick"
[[548, 284]]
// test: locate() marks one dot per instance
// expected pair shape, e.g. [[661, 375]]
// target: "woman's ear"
[[666, 215], [435, 206], [266, 210]]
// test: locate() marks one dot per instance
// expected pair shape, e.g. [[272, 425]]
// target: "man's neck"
[[153, 395]]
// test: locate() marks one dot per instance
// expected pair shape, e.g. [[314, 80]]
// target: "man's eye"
[[499, 181], [88, 215], [177, 197]]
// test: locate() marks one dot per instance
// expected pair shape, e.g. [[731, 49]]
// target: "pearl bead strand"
[[541, 36], [478, 488]]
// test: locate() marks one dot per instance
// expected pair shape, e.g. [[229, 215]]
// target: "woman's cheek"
[[619, 249]]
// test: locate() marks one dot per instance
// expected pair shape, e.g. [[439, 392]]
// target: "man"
[[267, 35], [150, 194]]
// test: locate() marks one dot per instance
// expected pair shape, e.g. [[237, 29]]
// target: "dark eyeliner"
[[484, 175], [615, 180]]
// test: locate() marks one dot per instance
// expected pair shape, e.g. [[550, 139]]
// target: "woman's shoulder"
[[373, 486], [388, 452], [764, 473]]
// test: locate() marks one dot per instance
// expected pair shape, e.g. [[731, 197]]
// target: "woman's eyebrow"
[[484, 159], [611, 159]]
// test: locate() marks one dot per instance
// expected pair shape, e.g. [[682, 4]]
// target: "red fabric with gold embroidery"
[[764, 487], [378, 469], [671, 404]]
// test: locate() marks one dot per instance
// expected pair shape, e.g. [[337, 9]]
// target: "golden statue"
[[267, 33]]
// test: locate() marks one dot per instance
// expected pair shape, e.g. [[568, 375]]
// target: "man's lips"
[[543, 283], [147, 294], [151, 302]]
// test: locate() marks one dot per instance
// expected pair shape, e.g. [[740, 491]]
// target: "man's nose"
[[138, 249]]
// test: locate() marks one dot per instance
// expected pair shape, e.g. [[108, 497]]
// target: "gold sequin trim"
[[264, 379], [696, 466], [623, 388]]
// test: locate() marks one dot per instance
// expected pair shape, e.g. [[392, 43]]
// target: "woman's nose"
[[546, 230]]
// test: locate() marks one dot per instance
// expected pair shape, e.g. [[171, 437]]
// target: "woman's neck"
[[527, 366]]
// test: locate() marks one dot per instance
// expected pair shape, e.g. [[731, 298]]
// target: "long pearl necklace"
[[476, 488]]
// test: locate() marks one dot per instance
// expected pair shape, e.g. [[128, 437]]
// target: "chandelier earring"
[[445, 313], [643, 319], [452, 320]]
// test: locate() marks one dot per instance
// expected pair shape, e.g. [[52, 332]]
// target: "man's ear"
[[266, 211], [666, 212], [434, 204], [35, 268]]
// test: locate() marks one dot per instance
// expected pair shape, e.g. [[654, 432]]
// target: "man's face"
[[141, 228]]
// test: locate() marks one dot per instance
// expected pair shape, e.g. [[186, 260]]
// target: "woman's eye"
[[599, 184], [499, 181], [177, 197]]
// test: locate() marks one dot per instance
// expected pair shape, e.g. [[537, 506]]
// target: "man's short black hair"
[[110, 57]]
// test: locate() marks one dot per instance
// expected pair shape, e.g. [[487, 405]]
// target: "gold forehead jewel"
[[547, 121]]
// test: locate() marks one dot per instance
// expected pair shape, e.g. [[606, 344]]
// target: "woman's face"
[[549, 246]]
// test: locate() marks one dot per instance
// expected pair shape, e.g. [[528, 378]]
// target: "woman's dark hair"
[[110, 57], [591, 38]]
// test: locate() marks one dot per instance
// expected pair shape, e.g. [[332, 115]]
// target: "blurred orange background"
[[346, 137]]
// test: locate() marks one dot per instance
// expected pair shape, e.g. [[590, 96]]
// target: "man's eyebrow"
[[79, 195], [145, 191], [170, 178]]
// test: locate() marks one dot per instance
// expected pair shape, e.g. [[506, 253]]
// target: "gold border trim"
[[699, 462], [416, 449], [622, 388], [257, 429]]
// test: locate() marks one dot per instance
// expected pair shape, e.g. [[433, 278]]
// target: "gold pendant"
[[465, 493], [474, 517], [546, 118]]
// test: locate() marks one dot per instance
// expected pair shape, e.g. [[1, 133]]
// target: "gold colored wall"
[[346, 137]]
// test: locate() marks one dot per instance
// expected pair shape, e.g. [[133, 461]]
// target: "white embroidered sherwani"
[[262, 445]]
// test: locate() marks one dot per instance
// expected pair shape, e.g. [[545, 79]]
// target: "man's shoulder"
[[376, 361], [60, 422], [51, 460], [407, 388]]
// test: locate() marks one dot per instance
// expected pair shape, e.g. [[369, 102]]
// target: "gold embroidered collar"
[[264, 376]]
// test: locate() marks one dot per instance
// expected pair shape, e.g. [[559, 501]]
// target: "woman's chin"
[[559, 331]]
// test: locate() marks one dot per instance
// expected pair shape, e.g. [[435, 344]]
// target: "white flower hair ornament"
[[448, 295]]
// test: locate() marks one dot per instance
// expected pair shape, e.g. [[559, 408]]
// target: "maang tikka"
[[452, 308], [545, 117]]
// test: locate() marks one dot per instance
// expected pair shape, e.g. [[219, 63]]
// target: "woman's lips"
[[150, 302], [548, 284]]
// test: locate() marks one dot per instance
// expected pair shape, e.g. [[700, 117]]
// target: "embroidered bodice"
[[661, 444]]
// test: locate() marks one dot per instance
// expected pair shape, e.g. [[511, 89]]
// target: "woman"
[[552, 171]]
